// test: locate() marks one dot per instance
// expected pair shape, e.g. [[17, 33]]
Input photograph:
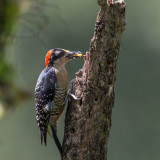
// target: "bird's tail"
[[54, 126], [43, 136], [57, 141]]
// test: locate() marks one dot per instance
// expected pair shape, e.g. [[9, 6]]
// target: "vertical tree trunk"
[[88, 121]]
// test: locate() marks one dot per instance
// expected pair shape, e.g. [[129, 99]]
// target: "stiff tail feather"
[[43, 136], [57, 141]]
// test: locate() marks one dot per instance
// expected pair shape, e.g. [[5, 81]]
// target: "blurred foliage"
[[9, 94], [6, 72], [8, 13]]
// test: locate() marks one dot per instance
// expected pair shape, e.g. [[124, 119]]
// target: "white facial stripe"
[[67, 51]]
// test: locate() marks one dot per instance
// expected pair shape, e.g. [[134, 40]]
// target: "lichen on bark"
[[88, 121]]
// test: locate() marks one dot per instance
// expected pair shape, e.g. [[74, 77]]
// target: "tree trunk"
[[88, 121]]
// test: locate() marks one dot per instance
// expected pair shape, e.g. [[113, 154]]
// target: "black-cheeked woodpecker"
[[51, 91]]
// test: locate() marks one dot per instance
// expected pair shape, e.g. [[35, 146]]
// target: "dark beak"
[[74, 54]]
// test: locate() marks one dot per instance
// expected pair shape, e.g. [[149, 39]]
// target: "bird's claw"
[[73, 96], [70, 91], [69, 94]]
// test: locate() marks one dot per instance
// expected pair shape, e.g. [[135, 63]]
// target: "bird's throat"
[[62, 76]]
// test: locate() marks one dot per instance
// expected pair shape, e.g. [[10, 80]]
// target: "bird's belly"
[[59, 98]]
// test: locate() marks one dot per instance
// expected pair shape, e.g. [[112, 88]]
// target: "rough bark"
[[88, 121]]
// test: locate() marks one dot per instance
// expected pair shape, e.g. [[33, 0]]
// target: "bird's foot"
[[69, 93], [72, 95]]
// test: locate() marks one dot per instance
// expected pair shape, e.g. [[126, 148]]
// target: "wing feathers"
[[44, 94]]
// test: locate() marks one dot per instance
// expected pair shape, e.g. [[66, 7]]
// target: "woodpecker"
[[51, 92]]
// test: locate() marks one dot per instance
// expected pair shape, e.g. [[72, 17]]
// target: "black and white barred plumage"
[[44, 94]]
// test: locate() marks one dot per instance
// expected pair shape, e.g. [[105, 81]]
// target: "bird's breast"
[[62, 77], [60, 95], [59, 98]]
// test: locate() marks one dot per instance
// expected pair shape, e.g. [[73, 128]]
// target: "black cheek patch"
[[59, 53], [56, 54]]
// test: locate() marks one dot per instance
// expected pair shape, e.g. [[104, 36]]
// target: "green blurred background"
[[135, 132]]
